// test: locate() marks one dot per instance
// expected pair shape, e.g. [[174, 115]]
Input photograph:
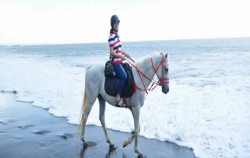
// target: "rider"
[[117, 56]]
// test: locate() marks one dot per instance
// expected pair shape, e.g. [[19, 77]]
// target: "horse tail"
[[84, 104]]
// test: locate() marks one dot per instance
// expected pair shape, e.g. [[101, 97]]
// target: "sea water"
[[206, 109]]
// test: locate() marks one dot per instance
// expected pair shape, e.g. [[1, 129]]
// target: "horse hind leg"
[[88, 102], [102, 104]]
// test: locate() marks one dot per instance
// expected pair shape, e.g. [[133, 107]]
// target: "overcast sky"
[[84, 21]]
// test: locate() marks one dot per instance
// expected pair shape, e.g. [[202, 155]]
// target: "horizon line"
[[76, 43]]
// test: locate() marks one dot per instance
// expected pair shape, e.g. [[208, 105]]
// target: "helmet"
[[114, 19]]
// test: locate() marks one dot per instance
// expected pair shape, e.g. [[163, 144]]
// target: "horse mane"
[[143, 60], [146, 58]]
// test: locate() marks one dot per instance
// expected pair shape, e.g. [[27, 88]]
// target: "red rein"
[[154, 83]]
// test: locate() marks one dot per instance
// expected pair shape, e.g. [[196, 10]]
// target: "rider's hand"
[[122, 57]]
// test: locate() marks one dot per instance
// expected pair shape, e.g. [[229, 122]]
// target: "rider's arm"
[[115, 54], [124, 53]]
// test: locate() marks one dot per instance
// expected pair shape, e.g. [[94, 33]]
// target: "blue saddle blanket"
[[111, 83]]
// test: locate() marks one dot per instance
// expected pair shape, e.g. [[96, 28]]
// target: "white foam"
[[206, 109]]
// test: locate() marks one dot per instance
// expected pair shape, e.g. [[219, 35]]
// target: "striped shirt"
[[114, 42]]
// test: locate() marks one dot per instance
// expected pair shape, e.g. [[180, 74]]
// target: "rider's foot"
[[119, 103]]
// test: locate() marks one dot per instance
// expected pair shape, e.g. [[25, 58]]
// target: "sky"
[[87, 21]]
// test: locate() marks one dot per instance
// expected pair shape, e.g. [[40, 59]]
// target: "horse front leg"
[[136, 114], [132, 137], [129, 140]]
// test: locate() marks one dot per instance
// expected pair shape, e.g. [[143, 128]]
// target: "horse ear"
[[166, 55]]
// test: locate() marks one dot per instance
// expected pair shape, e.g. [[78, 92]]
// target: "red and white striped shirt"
[[114, 42]]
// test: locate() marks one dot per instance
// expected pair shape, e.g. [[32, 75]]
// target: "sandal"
[[120, 103]]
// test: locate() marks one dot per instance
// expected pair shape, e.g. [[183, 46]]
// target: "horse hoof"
[[141, 156], [112, 147], [85, 144], [126, 143]]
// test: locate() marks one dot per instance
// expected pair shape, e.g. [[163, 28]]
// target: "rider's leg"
[[121, 74]]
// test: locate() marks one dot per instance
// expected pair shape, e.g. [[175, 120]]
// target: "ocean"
[[206, 109]]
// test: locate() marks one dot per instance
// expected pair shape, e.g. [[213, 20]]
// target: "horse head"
[[162, 73]]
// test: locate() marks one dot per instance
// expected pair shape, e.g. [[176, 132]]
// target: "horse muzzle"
[[165, 88]]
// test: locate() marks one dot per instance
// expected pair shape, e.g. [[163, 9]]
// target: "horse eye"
[[166, 69]]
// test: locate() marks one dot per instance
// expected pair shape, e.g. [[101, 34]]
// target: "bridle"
[[154, 83]]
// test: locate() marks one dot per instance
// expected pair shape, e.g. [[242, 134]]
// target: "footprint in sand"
[[3, 123], [11, 120], [25, 126], [42, 132], [43, 145], [66, 136], [91, 144]]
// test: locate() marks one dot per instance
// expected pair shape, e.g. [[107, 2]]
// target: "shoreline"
[[28, 131]]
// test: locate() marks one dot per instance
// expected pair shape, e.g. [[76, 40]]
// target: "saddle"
[[111, 83]]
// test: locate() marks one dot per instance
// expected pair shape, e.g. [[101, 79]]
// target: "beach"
[[27, 131], [206, 109]]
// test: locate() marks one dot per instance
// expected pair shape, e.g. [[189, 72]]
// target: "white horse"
[[144, 72]]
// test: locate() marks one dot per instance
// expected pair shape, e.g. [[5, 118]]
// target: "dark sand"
[[30, 132]]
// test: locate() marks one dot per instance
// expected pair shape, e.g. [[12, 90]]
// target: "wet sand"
[[30, 132]]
